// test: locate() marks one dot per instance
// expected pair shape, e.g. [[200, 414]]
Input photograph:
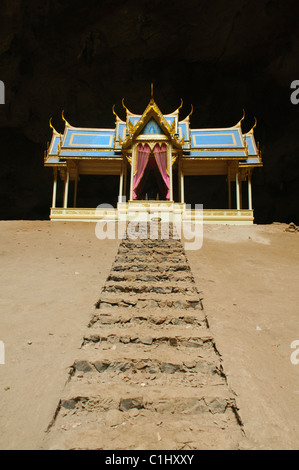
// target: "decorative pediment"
[[152, 122]]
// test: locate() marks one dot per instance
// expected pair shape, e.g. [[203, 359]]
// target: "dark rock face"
[[85, 56]]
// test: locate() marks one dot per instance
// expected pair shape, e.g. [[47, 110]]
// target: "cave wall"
[[83, 57]]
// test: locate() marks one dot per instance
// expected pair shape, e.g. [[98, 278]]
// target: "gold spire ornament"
[[190, 114], [113, 110], [51, 126], [63, 118], [152, 92], [124, 106]]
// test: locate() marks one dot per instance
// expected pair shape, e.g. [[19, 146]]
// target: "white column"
[[229, 188], [238, 189], [182, 184], [132, 171], [179, 179], [54, 188], [249, 191], [125, 177], [241, 192], [170, 172], [75, 190], [121, 182], [66, 188]]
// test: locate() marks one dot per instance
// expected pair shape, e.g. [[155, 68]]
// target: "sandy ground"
[[249, 280], [51, 275]]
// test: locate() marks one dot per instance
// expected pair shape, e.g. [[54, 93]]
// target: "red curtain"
[[142, 156], [160, 152]]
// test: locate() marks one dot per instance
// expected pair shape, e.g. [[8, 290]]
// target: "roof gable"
[[152, 118]]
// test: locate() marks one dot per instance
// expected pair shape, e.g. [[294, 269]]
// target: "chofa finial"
[[62, 115], [124, 106], [51, 125]]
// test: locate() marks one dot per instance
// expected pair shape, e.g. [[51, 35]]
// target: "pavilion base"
[[148, 210]]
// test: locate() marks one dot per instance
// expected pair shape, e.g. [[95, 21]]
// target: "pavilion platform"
[[147, 210]]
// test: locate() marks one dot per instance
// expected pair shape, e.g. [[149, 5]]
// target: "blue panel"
[[169, 120], [251, 161], [55, 161], [88, 153], [218, 154], [218, 138], [251, 150], [183, 131], [134, 120], [54, 149], [152, 127], [122, 131], [87, 138]]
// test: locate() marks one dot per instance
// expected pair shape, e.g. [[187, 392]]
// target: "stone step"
[[161, 267], [149, 301], [148, 276], [98, 417], [136, 256], [154, 240], [156, 287], [132, 342], [125, 318], [136, 362], [153, 245], [163, 251], [152, 374], [173, 336], [126, 396]]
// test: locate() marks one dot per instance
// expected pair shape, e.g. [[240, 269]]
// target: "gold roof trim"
[[252, 129], [127, 110], [117, 117], [67, 124], [176, 112], [52, 127], [239, 123], [190, 114]]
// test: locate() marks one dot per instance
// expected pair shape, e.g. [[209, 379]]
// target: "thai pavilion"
[[147, 151]]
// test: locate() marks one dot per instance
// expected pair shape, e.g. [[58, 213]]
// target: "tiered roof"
[[89, 143]]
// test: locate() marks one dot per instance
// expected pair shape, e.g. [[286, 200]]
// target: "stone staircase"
[[149, 375]]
